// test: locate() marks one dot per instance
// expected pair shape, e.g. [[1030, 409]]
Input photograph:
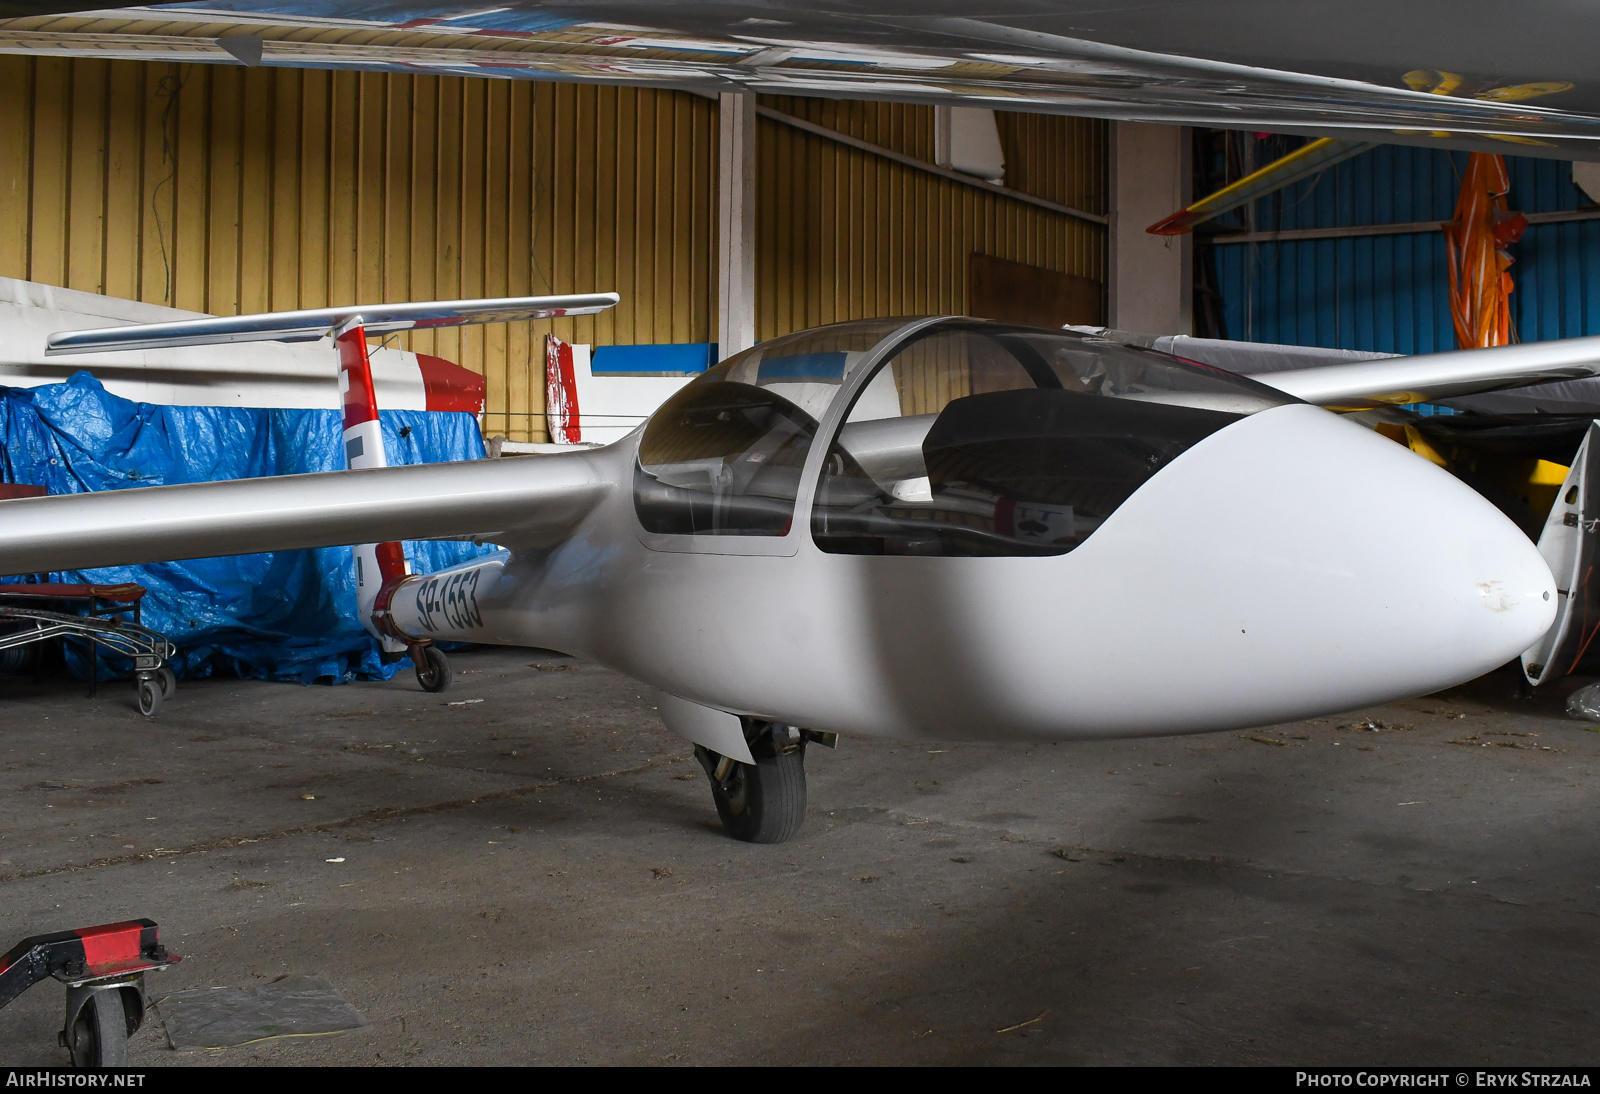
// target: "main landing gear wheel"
[[764, 802], [99, 1033], [433, 668]]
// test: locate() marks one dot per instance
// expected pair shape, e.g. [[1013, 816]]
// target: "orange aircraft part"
[[1480, 284]]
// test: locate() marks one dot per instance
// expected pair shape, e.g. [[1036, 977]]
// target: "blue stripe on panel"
[[667, 360]]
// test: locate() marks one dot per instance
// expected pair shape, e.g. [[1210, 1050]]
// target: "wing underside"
[[1352, 71]]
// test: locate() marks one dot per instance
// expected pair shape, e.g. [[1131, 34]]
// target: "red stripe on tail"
[[449, 386], [391, 561], [360, 401]]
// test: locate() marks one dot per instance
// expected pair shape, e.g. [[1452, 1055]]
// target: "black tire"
[[169, 681], [99, 1035], [764, 803], [18, 660], [433, 671], [149, 697]]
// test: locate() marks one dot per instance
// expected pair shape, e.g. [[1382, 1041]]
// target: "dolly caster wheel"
[[150, 694], [433, 668], [764, 802], [99, 1033], [169, 681]]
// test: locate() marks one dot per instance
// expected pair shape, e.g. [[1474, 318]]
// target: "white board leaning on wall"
[[586, 408]]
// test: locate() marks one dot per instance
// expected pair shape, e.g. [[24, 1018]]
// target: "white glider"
[[944, 528]]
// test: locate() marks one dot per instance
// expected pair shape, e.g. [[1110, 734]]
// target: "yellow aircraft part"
[[1546, 473], [1321, 154], [1432, 82], [1534, 482], [1302, 163], [1445, 83], [1417, 444]]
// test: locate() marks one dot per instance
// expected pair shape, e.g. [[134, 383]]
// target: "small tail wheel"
[[433, 669], [99, 1034], [760, 803], [169, 681], [150, 695]]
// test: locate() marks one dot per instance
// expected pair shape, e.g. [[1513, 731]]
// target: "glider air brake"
[[939, 528]]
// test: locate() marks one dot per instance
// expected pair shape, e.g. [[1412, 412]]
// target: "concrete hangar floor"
[[540, 877]]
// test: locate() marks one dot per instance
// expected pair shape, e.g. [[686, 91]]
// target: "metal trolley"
[[22, 624], [103, 969]]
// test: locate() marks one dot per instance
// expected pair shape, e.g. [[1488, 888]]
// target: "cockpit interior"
[[945, 437]]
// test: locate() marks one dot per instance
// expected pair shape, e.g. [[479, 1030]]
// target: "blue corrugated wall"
[[1389, 293]]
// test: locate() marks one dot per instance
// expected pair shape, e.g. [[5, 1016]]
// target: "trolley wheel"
[[99, 1035], [436, 675], [169, 681], [149, 697]]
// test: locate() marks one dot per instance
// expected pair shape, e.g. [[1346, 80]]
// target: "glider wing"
[[308, 326], [516, 502], [1362, 385]]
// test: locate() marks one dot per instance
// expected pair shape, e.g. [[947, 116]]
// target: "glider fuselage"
[[1288, 564]]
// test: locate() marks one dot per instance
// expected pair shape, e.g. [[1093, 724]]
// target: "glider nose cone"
[[1410, 580], [1296, 564], [1515, 598], [1455, 588], [1480, 592]]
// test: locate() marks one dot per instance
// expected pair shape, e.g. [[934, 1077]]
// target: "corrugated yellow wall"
[[626, 190], [843, 234], [227, 190], [900, 127], [1056, 158]]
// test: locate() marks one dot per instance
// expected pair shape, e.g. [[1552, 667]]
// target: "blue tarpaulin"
[[289, 615]]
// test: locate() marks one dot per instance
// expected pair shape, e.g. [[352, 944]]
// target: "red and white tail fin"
[[380, 567], [377, 564], [561, 392]]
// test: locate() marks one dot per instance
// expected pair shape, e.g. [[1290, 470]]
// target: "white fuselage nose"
[[1291, 564]]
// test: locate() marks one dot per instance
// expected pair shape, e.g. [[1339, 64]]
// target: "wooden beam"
[[922, 165]]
